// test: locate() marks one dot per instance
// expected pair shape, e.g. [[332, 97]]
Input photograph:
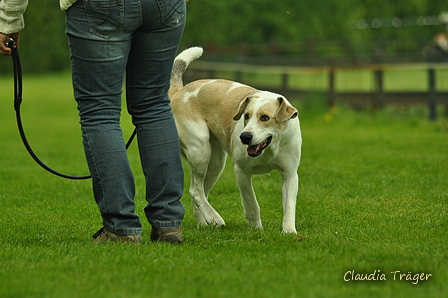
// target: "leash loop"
[[17, 104]]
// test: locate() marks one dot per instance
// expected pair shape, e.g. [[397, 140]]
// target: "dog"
[[260, 130]]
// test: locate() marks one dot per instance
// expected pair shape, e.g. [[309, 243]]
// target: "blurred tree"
[[319, 28]]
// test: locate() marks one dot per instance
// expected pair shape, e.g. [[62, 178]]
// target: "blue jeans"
[[138, 38]]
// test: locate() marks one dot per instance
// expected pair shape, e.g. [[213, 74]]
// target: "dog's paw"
[[256, 224], [207, 216], [289, 230], [211, 219], [217, 224], [216, 221]]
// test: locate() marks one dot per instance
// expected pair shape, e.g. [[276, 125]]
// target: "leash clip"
[[11, 43]]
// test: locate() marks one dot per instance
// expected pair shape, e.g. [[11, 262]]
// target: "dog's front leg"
[[251, 207], [290, 188]]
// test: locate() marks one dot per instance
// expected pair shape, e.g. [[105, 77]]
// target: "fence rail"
[[375, 98]]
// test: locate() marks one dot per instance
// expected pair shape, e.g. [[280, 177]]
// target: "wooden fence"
[[376, 98]]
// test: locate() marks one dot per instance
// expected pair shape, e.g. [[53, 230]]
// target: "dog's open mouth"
[[256, 150]]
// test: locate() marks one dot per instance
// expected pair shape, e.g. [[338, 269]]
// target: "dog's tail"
[[180, 65]]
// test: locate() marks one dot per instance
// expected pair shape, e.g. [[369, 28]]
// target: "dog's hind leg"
[[251, 207], [198, 154], [215, 165]]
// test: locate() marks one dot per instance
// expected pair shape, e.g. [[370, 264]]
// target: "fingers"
[[4, 39], [4, 49]]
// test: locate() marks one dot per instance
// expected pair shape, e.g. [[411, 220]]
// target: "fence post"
[[379, 96], [239, 75], [284, 86], [211, 73], [432, 94], [331, 88]]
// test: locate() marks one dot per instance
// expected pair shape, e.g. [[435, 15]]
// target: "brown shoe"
[[170, 235], [104, 235]]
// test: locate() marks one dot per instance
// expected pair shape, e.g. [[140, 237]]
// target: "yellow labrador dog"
[[259, 129]]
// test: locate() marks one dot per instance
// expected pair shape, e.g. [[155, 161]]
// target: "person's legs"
[[99, 48], [153, 50]]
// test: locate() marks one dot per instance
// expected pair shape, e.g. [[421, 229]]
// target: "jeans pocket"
[[105, 17], [172, 12]]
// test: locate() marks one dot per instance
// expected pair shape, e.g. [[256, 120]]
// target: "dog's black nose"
[[246, 137]]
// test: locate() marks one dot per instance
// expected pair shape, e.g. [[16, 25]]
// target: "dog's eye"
[[264, 118], [246, 117]]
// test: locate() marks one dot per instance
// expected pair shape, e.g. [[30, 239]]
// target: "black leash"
[[17, 104]]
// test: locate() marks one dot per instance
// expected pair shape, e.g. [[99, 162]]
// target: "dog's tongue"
[[252, 150]]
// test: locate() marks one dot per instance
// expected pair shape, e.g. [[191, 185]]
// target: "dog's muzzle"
[[246, 138], [254, 150]]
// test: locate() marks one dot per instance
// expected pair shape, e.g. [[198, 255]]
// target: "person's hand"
[[4, 38]]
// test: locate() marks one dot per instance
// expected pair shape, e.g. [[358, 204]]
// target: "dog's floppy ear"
[[285, 111], [241, 108]]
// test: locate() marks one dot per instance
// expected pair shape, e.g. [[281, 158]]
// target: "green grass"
[[373, 196]]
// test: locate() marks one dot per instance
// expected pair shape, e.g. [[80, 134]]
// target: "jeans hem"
[[161, 225], [124, 232]]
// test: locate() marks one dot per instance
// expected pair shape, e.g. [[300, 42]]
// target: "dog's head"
[[265, 116]]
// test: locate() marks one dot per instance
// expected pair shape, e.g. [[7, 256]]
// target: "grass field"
[[373, 200]]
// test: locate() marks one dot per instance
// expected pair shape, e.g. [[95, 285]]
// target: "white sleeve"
[[11, 15]]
